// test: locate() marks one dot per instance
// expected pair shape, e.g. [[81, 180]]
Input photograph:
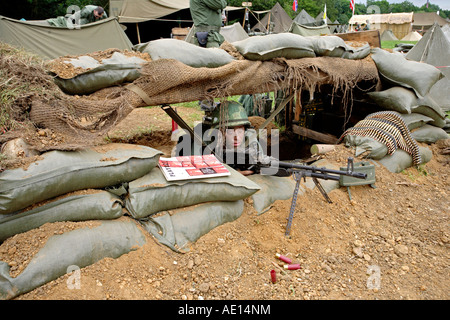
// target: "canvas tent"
[[422, 21], [277, 17], [51, 42], [388, 35], [434, 49], [412, 36], [233, 32], [133, 11], [398, 23], [304, 18], [320, 18], [446, 31]]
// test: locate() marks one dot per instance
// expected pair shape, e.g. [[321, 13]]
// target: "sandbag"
[[410, 74], [429, 134], [281, 45], [185, 52], [415, 120], [272, 188], [178, 229], [61, 172], [428, 107], [401, 160], [396, 99], [366, 146], [110, 72], [79, 248], [88, 205], [152, 193]]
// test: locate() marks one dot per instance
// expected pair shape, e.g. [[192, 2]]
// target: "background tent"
[[422, 21], [388, 35], [320, 18], [412, 36], [148, 20], [277, 17], [308, 31], [51, 42], [304, 18], [131, 11], [434, 49], [446, 31], [398, 23]]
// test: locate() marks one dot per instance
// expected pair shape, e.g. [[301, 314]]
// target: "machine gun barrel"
[[322, 173]]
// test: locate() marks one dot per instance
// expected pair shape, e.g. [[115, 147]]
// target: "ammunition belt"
[[388, 128]]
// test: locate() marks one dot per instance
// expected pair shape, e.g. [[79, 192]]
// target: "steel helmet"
[[236, 115]]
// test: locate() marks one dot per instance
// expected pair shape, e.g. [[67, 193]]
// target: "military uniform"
[[207, 17], [83, 16]]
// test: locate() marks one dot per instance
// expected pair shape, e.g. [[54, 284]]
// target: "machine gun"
[[303, 171]]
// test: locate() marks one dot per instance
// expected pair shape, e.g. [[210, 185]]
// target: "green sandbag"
[[62, 172], [79, 248], [330, 46], [185, 52], [96, 205], [178, 229], [429, 134], [411, 74], [152, 193], [281, 45], [373, 148], [110, 72], [272, 188], [401, 160], [428, 107], [396, 99], [415, 120]]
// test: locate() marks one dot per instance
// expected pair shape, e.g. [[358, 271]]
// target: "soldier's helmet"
[[235, 115]]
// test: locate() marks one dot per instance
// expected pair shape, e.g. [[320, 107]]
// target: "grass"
[[391, 43]]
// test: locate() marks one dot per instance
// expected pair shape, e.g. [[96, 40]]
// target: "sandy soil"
[[388, 242]]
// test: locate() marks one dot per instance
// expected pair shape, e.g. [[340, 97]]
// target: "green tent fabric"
[[280, 19], [51, 42], [308, 31], [304, 18], [144, 10]]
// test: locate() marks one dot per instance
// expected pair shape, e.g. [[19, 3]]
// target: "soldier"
[[207, 16], [238, 147]]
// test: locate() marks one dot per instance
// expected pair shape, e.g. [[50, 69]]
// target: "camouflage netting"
[[82, 121]]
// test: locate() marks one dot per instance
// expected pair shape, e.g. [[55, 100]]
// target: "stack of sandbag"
[[294, 46], [71, 187], [384, 136], [409, 95], [185, 52], [177, 213], [94, 74]]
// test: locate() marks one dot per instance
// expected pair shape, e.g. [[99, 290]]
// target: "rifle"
[[302, 171]]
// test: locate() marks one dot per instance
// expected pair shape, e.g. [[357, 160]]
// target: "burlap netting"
[[165, 81]]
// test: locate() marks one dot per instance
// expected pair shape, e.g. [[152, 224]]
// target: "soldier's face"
[[234, 136]]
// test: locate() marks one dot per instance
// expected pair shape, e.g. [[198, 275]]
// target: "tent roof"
[[51, 42], [282, 21], [433, 49], [144, 10], [389, 18], [412, 36], [428, 19], [303, 18], [388, 35], [320, 18], [234, 32]]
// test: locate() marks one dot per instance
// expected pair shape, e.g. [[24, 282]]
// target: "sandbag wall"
[[121, 190], [407, 92]]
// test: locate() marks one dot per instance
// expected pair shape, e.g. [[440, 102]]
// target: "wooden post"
[[298, 105], [138, 35]]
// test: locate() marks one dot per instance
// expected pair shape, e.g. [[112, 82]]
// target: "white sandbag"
[[429, 134], [410, 74], [366, 146], [281, 45], [152, 193], [401, 160], [185, 52], [61, 172]]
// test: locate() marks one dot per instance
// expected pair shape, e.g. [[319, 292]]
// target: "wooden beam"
[[325, 138]]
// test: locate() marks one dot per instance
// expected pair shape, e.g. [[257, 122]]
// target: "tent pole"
[[138, 35]]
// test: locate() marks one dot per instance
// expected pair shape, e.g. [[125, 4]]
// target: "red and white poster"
[[192, 167]]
